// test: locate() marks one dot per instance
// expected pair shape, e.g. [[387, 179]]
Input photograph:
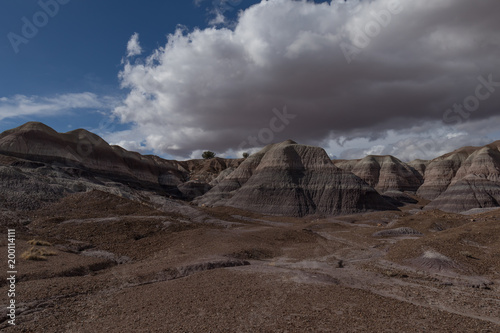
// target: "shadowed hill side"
[[36, 141], [295, 180], [419, 166], [83, 150]]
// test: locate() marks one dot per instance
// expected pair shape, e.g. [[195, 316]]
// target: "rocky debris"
[[294, 180], [384, 173], [26, 189], [106, 255], [21, 191]]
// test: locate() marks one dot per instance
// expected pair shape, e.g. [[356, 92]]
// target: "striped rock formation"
[[384, 173], [87, 154], [441, 171], [294, 180], [475, 184], [419, 166]]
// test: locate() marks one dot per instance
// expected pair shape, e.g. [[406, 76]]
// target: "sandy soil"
[[123, 266]]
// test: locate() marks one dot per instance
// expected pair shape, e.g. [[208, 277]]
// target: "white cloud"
[[21, 105], [218, 11], [213, 88], [425, 141], [375, 150], [218, 19], [133, 46]]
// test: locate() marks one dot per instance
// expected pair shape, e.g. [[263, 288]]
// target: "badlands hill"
[[82, 154], [391, 177], [384, 173], [465, 179], [39, 165], [294, 180]]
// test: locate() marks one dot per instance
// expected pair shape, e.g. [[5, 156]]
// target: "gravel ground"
[[125, 267]]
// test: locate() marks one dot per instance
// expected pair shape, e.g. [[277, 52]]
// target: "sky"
[[413, 79]]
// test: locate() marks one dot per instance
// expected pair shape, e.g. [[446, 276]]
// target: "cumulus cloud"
[[351, 71], [21, 105], [218, 11], [425, 141], [218, 18], [133, 46]]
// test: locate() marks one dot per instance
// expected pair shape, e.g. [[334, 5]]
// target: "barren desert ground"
[[123, 266]]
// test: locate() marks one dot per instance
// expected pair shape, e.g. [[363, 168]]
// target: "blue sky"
[[81, 47], [354, 77]]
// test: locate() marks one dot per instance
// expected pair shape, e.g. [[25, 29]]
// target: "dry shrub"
[[37, 254], [39, 242]]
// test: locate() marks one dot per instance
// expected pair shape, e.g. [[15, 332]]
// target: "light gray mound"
[[21, 191], [434, 261], [403, 231], [106, 255]]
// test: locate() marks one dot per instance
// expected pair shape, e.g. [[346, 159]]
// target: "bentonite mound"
[[384, 173], [434, 261], [441, 171], [484, 161], [295, 180], [475, 185]]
